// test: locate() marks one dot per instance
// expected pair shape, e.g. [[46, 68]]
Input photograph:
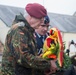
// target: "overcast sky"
[[67, 7]]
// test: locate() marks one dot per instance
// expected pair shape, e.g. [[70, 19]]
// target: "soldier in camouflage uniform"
[[20, 52]]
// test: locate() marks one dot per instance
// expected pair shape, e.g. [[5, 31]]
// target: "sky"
[[67, 7]]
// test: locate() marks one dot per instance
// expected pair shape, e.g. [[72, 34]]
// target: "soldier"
[[20, 53]]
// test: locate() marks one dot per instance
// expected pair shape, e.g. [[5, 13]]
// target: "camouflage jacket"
[[20, 52]]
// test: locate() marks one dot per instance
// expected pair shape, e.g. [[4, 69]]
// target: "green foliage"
[[66, 62]]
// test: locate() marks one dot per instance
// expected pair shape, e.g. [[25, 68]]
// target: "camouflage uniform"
[[20, 52]]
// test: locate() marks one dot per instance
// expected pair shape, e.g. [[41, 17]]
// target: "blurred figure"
[[67, 52], [41, 34], [72, 69], [72, 48]]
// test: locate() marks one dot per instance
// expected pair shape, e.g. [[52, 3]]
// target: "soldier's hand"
[[53, 68]]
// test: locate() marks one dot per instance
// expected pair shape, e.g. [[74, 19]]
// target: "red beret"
[[36, 10]]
